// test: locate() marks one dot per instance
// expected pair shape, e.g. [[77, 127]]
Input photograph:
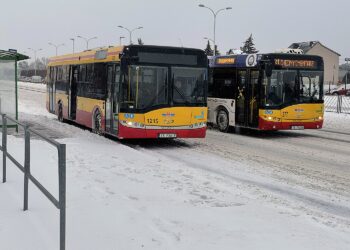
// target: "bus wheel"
[[222, 120], [97, 123], [60, 113]]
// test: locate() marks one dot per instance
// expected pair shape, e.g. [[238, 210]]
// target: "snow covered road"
[[282, 190]]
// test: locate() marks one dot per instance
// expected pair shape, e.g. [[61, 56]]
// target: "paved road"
[[306, 171]]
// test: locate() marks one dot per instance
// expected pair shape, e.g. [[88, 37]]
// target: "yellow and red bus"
[[132, 91], [266, 91]]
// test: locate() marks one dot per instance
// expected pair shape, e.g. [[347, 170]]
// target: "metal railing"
[[61, 149], [337, 103]]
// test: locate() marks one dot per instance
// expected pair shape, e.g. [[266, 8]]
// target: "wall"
[[330, 59]]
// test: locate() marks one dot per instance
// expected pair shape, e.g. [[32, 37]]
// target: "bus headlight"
[[133, 124], [198, 125], [320, 118]]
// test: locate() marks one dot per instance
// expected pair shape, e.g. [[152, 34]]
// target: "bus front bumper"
[[287, 125], [132, 133]]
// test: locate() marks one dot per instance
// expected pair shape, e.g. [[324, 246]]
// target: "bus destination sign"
[[225, 60], [288, 63]]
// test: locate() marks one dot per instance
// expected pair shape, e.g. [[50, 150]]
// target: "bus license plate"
[[167, 135], [297, 127]]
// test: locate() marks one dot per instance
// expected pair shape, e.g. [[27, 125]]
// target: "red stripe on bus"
[[130, 133], [267, 125]]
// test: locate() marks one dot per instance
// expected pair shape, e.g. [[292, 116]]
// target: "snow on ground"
[[182, 194], [335, 121]]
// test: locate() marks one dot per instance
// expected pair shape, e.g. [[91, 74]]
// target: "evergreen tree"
[[139, 41], [248, 47], [217, 52], [230, 52], [208, 50]]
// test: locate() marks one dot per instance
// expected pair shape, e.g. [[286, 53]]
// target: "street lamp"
[[206, 38], [215, 13], [120, 40], [35, 50], [56, 46], [73, 40], [347, 60], [130, 31], [87, 40]]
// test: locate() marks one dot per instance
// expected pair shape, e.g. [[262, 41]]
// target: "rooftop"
[[306, 46], [12, 55]]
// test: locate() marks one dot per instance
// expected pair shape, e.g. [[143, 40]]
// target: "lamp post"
[[35, 50], [120, 40], [56, 46], [215, 13], [130, 31], [73, 40], [347, 60], [87, 40]]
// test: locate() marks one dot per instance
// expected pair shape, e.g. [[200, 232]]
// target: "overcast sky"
[[273, 23]]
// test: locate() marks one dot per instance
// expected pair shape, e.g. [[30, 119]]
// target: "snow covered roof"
[[12, 55], [306, 46]]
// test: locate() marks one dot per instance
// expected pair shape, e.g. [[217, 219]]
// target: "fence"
[[337, 103], [61, 149]]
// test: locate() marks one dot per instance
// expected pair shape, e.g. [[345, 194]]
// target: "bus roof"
[[111, 53], [104, 54], [252, 60]]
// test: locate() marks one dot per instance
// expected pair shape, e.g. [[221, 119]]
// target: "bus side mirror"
[[268, 69]]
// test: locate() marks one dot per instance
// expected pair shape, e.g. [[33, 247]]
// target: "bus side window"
[[210, 84], [225, 85]]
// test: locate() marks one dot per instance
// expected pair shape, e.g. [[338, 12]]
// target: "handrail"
[[59, 203]]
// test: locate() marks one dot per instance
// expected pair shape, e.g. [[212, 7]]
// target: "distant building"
[[330, 58], [342, 73]]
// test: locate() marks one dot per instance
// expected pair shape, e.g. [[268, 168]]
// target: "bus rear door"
[[73, 92]]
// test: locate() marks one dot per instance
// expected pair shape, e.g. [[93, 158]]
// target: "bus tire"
[[60, 112], [97, 123], [222, 120]]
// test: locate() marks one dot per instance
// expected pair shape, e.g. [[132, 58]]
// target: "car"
[[36, 79], [340, 91]]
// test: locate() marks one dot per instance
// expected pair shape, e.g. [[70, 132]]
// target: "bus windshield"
[[148, 86], [189, 85], [286, 87]]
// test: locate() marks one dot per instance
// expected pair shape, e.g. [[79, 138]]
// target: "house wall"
[[331, 63]]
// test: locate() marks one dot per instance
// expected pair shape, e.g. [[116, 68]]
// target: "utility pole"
[[73, 40], [130, 31], [347, 60], [35, 50], [87, 40], [215, 13], [56, 46], [120, 40]]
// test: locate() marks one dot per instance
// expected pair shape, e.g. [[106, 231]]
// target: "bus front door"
[[253, 111], [73, 93], [112, 107]]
